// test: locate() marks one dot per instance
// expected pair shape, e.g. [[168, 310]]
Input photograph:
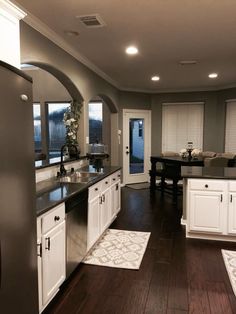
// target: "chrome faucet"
[[62, 168]]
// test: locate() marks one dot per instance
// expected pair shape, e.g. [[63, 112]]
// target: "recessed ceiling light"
[[131, 50], [213, 75], [71, 33], [187, 62], [155, 78]]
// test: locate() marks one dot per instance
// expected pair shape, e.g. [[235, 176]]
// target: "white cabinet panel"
[[232, 213], [53, 261], [207, 211], [93, 221]]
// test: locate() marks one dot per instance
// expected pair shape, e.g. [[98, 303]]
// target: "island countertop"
[[209, 172]]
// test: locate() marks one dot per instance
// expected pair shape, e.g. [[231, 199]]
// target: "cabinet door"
[[93, 221], [39, 255], [105, 210], [232, 213], [207, 211], [53, 261], [115, 199]]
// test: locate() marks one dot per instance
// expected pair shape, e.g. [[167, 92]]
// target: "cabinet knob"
[[114, 179], [56, 218], [96, 189], [106, 182], [206, 185]]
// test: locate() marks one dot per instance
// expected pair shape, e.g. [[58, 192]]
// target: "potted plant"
[[71, 122]]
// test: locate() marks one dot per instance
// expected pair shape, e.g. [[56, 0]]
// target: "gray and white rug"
[[119, 248], [230, 264]]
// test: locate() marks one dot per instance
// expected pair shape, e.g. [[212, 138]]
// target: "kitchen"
[[39, 50]]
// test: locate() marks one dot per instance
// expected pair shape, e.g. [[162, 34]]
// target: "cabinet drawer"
[[53, 218], [207, 185], [105, 183], [94, 190], [232, 186], [115, 177]]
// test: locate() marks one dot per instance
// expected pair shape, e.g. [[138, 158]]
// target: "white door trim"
[[135, 178]]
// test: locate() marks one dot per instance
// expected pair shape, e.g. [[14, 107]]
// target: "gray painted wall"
[[35, 47], [214, 116]]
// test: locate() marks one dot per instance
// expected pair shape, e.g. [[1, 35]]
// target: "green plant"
[[71, 121]]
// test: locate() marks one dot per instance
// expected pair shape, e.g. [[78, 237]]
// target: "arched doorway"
[[53, 93]]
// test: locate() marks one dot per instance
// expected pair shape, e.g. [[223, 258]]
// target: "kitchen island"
[[209, 202]]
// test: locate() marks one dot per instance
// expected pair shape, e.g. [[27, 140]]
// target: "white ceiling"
[[165, 32]]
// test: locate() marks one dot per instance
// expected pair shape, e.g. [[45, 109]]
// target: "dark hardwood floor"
[[177, 275]]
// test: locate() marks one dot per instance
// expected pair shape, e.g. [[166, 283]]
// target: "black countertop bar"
[[51, 192], [209, 172]]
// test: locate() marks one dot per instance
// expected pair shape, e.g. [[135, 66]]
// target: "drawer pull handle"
[[56, 218], [221, 197], [231, 198], [206, 185], [49, 244]]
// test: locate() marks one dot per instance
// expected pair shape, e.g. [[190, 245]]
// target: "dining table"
[[170, 168]]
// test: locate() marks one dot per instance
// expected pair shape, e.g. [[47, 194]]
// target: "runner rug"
[[119, 248], [230, 264]]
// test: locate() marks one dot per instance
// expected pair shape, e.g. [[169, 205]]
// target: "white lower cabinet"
[[51, 253], [103, 206], [211, 209]]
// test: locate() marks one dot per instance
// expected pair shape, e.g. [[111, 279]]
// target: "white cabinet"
[[211, 209], [232, 208], [51, 253], [93, 232], [115, 194], [207, 211], [103, 206]]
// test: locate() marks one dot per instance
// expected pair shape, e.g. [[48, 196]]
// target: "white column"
[[10, 16]]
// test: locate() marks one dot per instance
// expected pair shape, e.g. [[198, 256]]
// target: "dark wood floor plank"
[[164, 250], [135, 300], [178, 285], [158, 292], [218, 299]]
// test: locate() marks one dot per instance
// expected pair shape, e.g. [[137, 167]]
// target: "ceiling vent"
[[93, 20]]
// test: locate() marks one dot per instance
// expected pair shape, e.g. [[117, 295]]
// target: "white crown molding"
[[46, 31], [12, 10]]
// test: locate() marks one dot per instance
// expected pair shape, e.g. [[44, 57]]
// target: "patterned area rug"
[[230, 264], [120, 249]]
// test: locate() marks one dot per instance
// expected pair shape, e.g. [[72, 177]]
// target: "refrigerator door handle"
[[49, 244], [39, 249], [0, 266]]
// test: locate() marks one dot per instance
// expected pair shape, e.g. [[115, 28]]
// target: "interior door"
[[136, 145]]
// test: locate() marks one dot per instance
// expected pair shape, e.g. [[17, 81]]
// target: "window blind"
[[182, 123], [230, 129]]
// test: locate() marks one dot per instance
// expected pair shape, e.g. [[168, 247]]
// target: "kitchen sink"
[[79, 177]]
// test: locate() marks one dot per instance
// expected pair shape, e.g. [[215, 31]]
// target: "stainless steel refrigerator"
[[18, 256]]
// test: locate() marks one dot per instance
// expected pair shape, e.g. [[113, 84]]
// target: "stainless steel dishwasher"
[[76, 230]]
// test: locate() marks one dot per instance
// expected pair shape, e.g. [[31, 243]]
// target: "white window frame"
[[177, 138]]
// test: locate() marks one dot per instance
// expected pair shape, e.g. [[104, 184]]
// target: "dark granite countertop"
[[209, 172], [51, 192]]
